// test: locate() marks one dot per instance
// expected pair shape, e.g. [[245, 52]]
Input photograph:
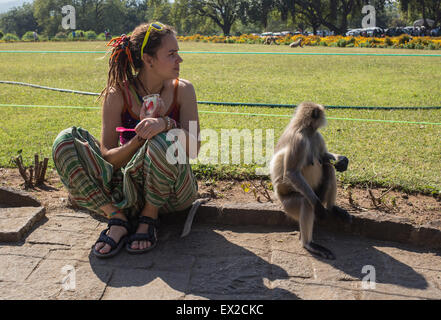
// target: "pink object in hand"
[[122, 129]]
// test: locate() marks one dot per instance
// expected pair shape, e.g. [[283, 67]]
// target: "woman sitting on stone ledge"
[[129, 175]]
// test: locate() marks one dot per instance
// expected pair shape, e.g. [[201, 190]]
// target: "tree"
[[134, 13], [223, 12], [186, 22], [426, 9], [18, 20], [158, 10], [333, 14], [258, 10], [286, 7], [115, 17], [48, 15], [310, 14]]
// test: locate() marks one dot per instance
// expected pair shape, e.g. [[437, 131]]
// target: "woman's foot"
[[140, 245], [145, 237], [115, 232]]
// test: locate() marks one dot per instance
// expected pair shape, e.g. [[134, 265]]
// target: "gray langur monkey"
[[296, 43], [303, 176], [269, 40]]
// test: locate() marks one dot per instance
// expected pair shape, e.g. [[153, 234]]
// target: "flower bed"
[[403, 41]]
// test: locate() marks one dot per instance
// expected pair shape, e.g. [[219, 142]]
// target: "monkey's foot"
[[341, 214], [320, 251]]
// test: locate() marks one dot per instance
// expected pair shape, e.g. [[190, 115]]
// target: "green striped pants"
[[147, 177]]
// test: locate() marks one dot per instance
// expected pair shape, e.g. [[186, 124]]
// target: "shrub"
[[60, 36], [341, 43], [42, 37], [433, 46], [70, 35], [77, 35], [10, 37], [403, 39], [90, 35], [389, 41], [1, 34], [101, 37], [28, 36]]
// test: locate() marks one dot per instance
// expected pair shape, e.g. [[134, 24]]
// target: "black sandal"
[[151, 235], [115, 248]]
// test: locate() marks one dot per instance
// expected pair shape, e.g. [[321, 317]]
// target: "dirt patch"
[[418, 209]]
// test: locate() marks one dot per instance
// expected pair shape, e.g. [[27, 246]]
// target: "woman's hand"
[[150, 127]]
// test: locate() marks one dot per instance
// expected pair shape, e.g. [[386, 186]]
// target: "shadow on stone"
[[10, 198], [19, 212], [353, 254], [203, 264]]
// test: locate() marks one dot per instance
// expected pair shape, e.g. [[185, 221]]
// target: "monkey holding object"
[[303, 176]]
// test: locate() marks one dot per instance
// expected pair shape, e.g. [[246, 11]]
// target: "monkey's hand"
[[320, 211], [341, 164]]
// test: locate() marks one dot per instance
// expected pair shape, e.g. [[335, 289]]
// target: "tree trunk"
[[226, 27], [423, 9], [333, 9]]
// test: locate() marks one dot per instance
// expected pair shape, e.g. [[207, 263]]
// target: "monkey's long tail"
[[191, 214]]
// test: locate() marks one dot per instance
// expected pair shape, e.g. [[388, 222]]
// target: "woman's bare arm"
[[111, 118]]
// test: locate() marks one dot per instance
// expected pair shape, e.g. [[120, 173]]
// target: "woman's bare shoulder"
[[114, 99], [186, 89], [183, 83]]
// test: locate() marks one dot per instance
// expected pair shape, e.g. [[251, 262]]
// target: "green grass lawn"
[[389, 154]]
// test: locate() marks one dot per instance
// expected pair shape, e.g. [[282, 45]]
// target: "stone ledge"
[[368, 224], [16, 198], [19, 211], [15, 222]]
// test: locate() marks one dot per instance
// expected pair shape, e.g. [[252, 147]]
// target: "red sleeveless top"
[[130, 120]]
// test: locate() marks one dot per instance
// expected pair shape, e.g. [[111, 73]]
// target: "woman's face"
[[167, 60]]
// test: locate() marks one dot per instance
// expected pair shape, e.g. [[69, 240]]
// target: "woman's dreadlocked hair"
[[125, 60]]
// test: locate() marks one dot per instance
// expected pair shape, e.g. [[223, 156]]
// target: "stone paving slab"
[[19, 212], [215, 261], [15, 222], [141, 284]]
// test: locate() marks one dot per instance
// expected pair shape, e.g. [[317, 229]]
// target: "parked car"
[[374, 32], [435, 32], [287, 33], [354, 32], [323, 33], [394, 32]]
